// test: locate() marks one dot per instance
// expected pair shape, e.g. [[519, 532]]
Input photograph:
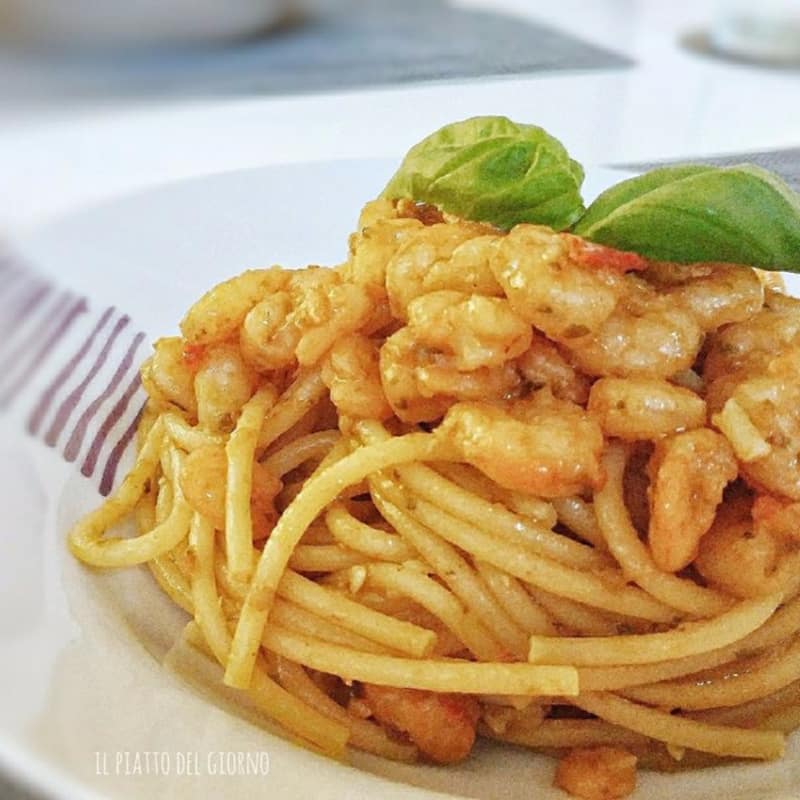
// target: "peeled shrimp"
[[168, 375], [646, 336], [351, 371], [597, 773], [644, 408], [778, 517], [381, 232], [716, 294], [217, 315], [772, 405], [302, 322], [737, 555], [448, 256], [223, 384], [542, 364], [549, 449], [563, 286], [688, 473], [745, 349], [421, 384], [442, 726], [475, 331], [203, 480]]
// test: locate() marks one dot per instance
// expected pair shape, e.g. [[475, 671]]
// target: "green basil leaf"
[[688, 213], [491, 169]]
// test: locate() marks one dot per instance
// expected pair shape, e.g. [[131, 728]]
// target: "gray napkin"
[[351, 44], [785, 163]]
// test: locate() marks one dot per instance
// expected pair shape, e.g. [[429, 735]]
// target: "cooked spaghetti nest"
[[474, 482]]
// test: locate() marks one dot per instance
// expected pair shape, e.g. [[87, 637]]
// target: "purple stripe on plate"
[[71, 402], [24, 307], [40, 354], [75, 442], [8, 278], [113, 417], [31, 337], [114, 457], [49, 394]]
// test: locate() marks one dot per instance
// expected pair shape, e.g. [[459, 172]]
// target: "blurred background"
[[99, 97], [57, 53], [65, 54]]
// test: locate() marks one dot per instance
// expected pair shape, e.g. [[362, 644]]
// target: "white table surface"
[[673, 103]]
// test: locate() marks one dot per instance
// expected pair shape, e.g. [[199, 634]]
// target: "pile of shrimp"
[[530, 351]]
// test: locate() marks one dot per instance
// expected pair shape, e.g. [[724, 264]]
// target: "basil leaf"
[[741, 214], [491, 169]]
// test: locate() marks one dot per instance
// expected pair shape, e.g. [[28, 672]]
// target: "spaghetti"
[[445, 490]]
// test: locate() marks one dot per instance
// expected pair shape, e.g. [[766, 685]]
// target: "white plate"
[[81, 679]]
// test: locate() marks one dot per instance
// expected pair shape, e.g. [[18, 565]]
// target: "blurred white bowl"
[[135, 22], [766, 30]]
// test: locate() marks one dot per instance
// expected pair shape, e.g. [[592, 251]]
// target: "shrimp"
[[447, 256], [767, 404], [268, 342], [376, 211], [716, 294], [475, 331], [217, 315], [746, 348], [688, 473], [421, 384], [563, 286], [351, 371], [203, 479], [643, 408], [377, 240], [752, 369], [442, 726], [777, 517], [597, 773], [222, 385], [646, 336], [772, 402], [542, 364], [169, 376], [301, 323], [540, 445], [738, 555]]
